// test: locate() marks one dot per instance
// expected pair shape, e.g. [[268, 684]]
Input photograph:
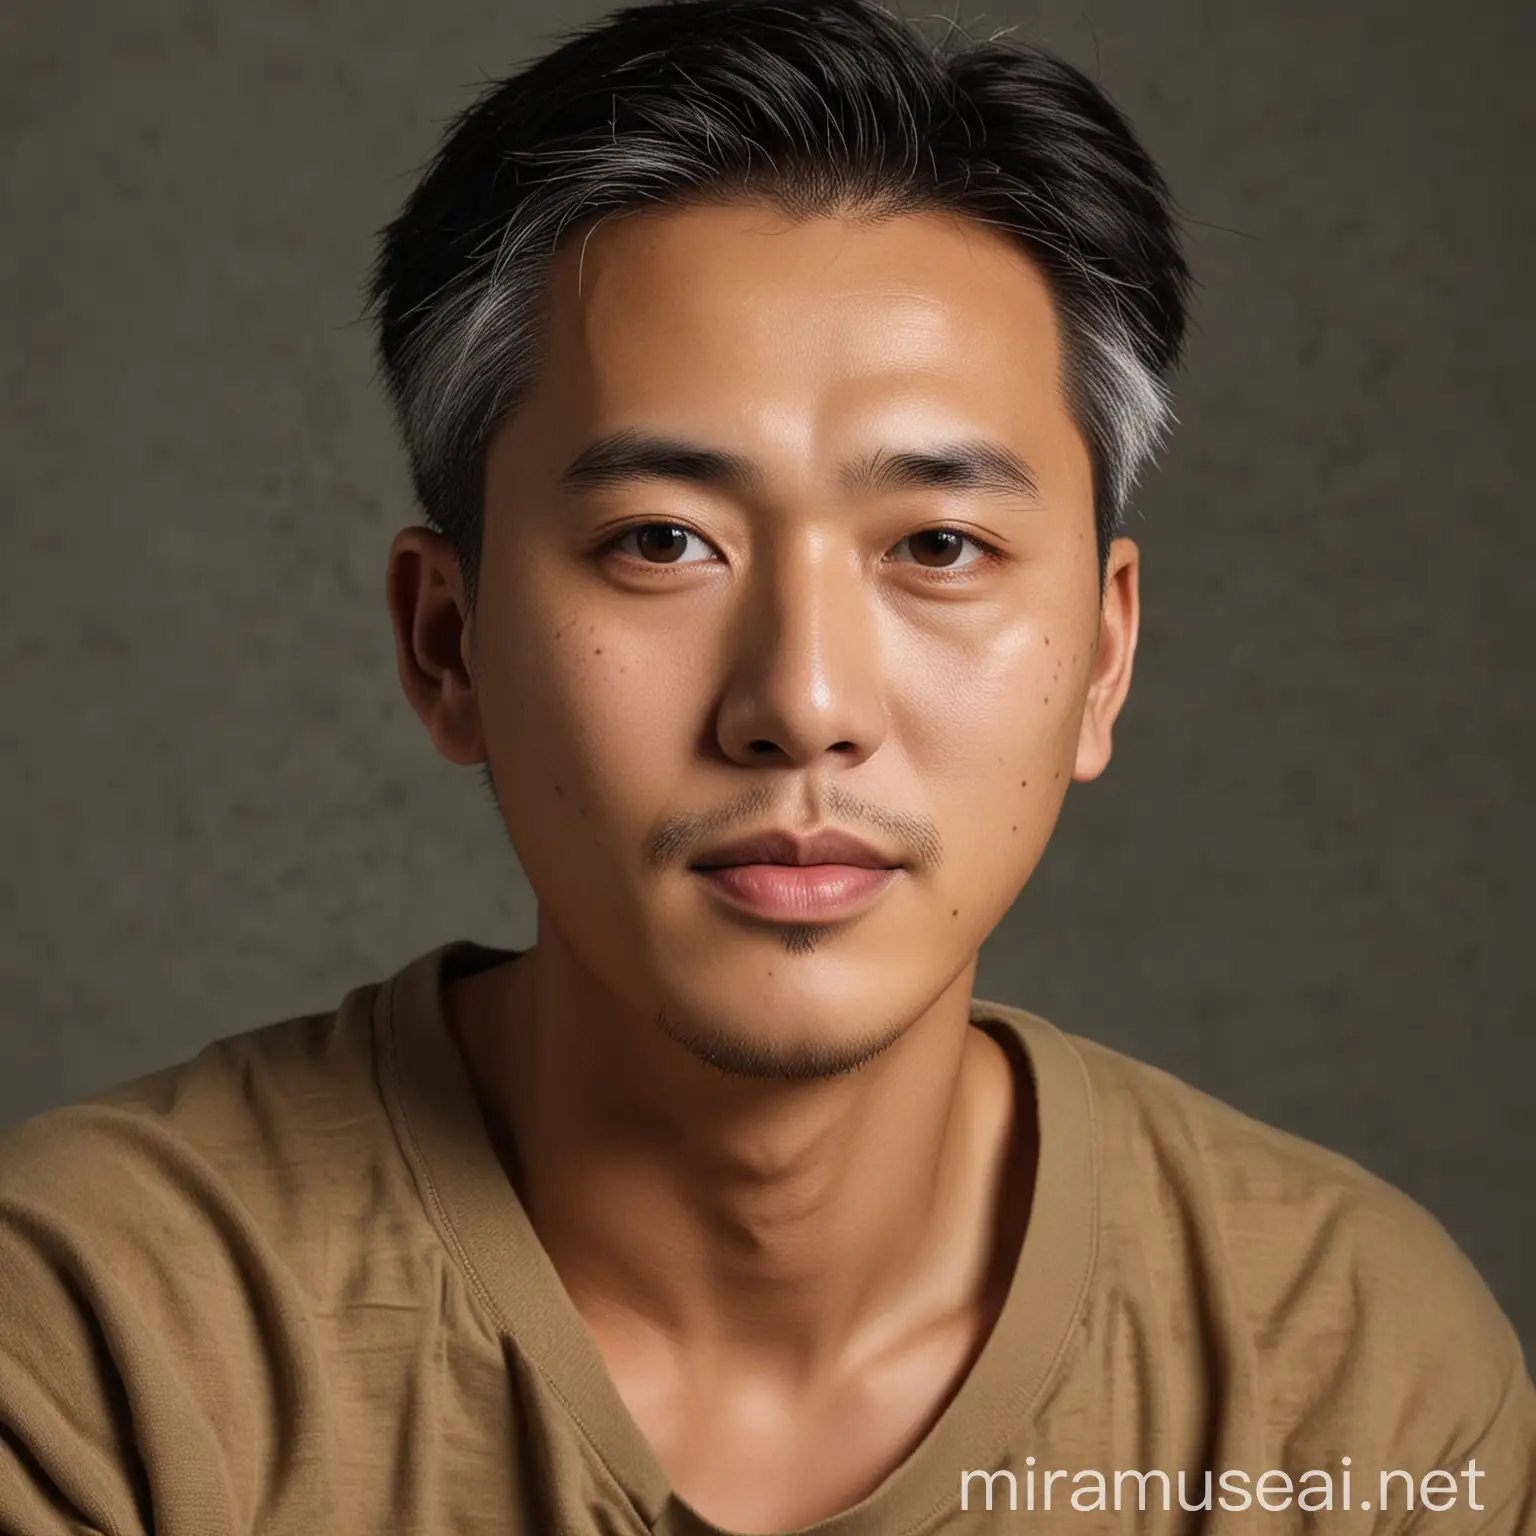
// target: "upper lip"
[[778, 846]]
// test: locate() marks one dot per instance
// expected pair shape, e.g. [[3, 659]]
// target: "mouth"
[[793, 875], [799, 892]]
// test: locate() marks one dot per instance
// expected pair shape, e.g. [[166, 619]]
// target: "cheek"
[[999, 708], [994, 743], [585, 714]]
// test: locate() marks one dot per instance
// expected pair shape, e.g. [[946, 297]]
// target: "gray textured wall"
[[1304, 883]]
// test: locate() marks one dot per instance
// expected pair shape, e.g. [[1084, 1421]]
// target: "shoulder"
[[1348, 1300], [163, 1206], [162, 1248], [98, 1195], [244, 1147], [1274, 1200], [229, 1122]]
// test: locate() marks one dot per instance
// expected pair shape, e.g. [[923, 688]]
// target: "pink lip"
[[799, 892]]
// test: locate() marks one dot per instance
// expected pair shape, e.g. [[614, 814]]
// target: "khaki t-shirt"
[[287, 1288]]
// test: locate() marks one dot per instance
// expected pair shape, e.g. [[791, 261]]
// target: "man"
[[774, 385]]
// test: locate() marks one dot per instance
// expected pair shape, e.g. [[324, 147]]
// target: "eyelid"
[[989, 555], [610, 544]]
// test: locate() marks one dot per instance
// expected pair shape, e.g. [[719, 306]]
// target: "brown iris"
[[663, 540], [664, 543], [948, 540]]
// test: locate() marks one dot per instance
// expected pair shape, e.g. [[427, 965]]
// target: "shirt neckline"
[[432, 1101]]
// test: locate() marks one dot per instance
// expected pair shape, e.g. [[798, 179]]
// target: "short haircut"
[[813, 107]]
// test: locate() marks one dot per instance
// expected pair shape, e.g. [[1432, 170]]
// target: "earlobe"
[[424, 590]]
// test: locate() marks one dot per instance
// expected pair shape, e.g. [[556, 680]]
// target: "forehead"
[[736, 307]]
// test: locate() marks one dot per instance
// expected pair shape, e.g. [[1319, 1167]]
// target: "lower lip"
[[800, 892]]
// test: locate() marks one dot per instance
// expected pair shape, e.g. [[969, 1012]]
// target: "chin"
[[768, 1058], [781, 1035]]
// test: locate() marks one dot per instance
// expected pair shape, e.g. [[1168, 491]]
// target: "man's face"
[[661, 663]]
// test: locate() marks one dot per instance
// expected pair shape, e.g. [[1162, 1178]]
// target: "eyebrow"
[[978, 465]]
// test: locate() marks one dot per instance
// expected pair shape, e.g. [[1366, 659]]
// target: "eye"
[[934, 547], [656, 543]]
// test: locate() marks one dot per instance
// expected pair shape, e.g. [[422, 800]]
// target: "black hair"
[[812, 106]]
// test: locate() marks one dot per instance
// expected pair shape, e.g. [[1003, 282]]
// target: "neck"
[[792, 1225]]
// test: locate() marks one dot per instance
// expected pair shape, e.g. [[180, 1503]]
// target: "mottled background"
[[1303, 884]]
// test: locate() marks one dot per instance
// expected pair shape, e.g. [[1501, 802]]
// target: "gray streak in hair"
[[830, 108]]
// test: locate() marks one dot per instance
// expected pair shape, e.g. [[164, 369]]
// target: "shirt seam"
[[448, 1234], [1084, 1284]]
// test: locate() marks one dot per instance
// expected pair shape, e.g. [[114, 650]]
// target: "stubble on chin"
[[766, 1060]]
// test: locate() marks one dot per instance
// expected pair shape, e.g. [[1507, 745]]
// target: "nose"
[[803, 673]]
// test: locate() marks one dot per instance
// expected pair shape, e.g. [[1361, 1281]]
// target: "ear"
[[433, 634], [1114, 653]]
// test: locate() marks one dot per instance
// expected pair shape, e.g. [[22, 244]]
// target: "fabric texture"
[[286, 1287]]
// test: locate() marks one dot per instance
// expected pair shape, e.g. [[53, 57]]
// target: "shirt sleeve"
[[1488, 1455], [1455, 1410], [154, 1372], [67, 1458]]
